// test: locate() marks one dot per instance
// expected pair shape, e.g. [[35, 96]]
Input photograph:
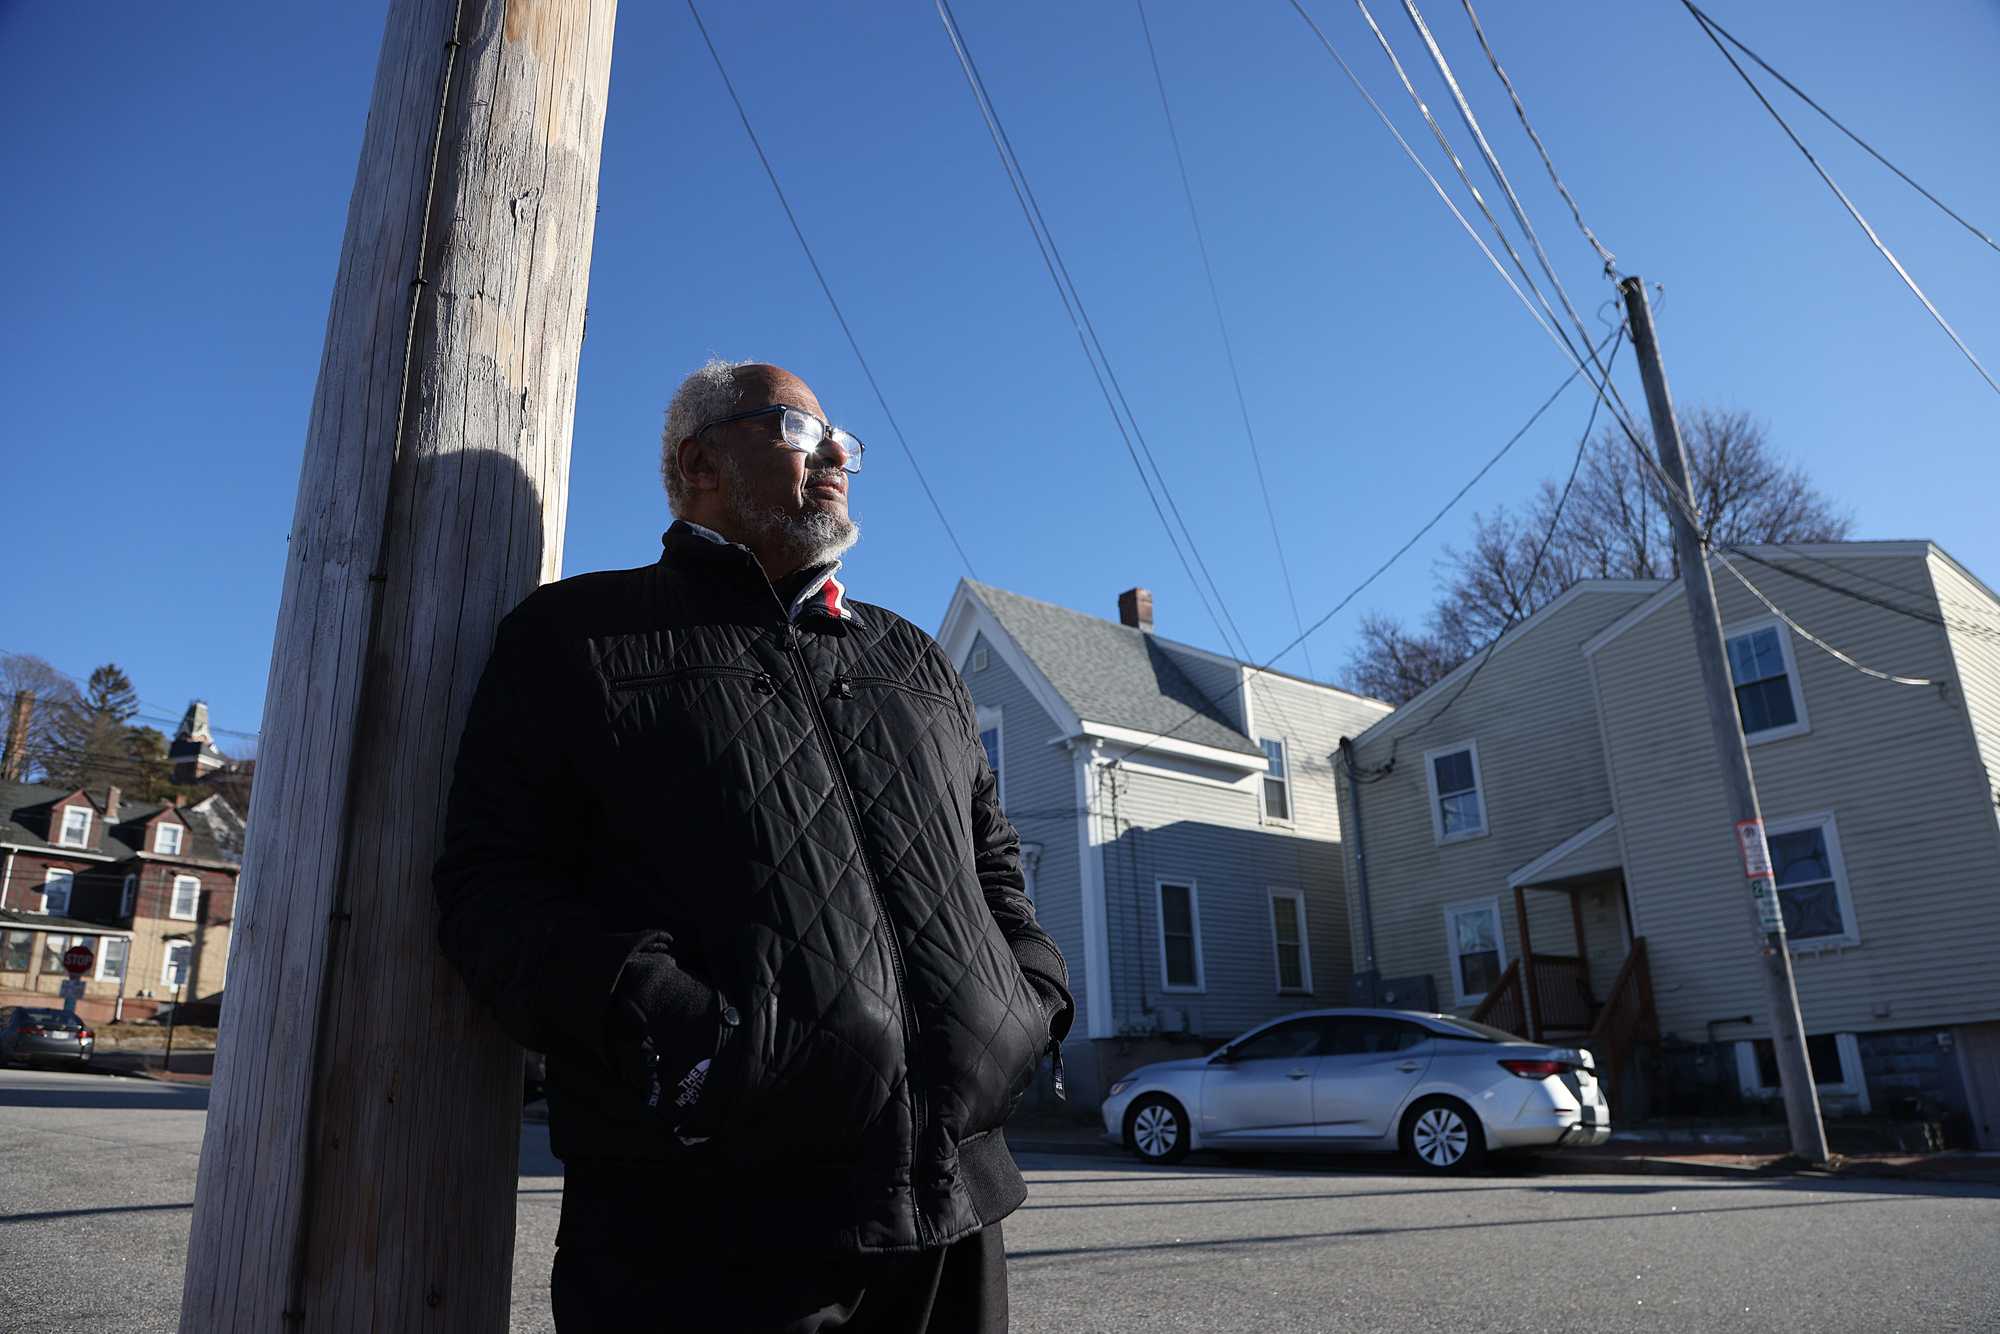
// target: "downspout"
[[6, 877], [1365, 987]]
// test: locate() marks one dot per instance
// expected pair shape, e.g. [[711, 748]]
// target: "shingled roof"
[[1112, 673], [206, 841]]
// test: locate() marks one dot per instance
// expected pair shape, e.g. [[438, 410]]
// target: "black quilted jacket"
[[795, 815]]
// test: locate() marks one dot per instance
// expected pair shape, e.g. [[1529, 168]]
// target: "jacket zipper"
[[765, 684], [843, 686], [882, 909]]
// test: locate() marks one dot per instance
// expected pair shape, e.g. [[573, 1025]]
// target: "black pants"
[[638, 1278]]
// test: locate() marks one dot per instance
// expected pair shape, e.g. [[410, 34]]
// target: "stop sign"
[[78, 958]]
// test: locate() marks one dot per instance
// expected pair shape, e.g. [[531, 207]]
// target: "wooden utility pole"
[[359, 1166], [1788, 1034]]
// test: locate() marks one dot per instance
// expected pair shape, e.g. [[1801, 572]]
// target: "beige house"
[[1547, 840]]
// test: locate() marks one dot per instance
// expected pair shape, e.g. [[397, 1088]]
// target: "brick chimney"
[[1135, 608], [113, 799]]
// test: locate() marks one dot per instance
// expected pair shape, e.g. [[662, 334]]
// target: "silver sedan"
[[1442, 1090]]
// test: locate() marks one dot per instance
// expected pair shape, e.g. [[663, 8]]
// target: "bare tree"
[[1614, 524], [31, 695]]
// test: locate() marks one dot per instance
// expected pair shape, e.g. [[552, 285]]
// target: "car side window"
[[1373, 1037], [1281, 1042]]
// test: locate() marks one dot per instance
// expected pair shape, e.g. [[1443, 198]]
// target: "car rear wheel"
[[1442, 1135], [1157, 1129]]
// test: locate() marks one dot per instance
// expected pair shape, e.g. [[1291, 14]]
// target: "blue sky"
[[178, 180]]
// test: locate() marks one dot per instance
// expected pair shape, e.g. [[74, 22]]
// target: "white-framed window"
[[1458, 803], [1812, 881], [1179, 918], [1836, 1066], [186, 902], [1031, 869], [1478, 950], [167, 838], [54, 946], [1769, 703], [56, 887], [111, 954], [992, 740], [1277, 781], [128, 896], [17, 949], [1288, 941], [176, 962], [75, 831]]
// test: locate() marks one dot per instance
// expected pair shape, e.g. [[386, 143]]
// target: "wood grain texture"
[[358, 1170]]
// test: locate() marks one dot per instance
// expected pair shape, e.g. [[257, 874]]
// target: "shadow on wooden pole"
[[359, 1166]]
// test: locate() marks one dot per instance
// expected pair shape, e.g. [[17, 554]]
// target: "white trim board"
[[1574, 843]]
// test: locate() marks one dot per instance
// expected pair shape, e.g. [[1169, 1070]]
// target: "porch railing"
[[1506, 1005], [1561, 995], [1628, 1018]]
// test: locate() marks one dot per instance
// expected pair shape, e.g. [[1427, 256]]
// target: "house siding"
[[1040, 782], [1895, 765], [1311, 720], [1973, 631], [1167, 828], [1542, 780]]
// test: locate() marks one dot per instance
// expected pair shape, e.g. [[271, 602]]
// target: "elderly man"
[[726, 847]]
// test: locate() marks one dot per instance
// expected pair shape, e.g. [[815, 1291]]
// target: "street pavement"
[[97, 1181]]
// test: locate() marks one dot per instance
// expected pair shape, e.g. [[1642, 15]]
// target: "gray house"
[[1547, 838], [1178, 814]]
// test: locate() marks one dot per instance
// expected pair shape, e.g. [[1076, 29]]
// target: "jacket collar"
[[822, 595]]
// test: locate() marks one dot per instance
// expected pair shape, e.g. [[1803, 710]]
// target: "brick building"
[[145, 885]]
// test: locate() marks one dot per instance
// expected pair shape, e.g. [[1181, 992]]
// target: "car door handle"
[[1295, 1074], [1409, 1067]]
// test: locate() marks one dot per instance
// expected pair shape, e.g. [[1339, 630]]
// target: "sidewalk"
[[1642, 1150], [194, 1066]]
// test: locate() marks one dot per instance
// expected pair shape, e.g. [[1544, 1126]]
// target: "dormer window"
[[75, 827], [167, 839]]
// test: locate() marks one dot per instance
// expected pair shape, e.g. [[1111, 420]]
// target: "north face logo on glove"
[[690, 1086]]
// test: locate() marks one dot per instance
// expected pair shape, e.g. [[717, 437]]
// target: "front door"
[[1262, 1089], [1367, 1074], [1979, 1063]]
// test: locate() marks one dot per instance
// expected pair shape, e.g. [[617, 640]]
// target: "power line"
[[1610, 260], [1841, 195], [1814, 639], [1086, 333], [1867, 147], [1519, 613], [824, 287], [1383, 568], [1915, 614], [1222, 326]]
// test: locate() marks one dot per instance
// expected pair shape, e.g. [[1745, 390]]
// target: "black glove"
[[671, 1026]]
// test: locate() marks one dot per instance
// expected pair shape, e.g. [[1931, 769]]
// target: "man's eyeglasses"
[[802, 431]]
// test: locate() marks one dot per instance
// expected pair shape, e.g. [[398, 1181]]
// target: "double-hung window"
[[1277, 781], [111, 952], [1288, 940], [167, 839], [1458, 806], [1812, 881], [17, 948], [75, 831], [56, 887], [1180, 935], [1478, 954], [128, 897], [1766, 680], [186, 900]]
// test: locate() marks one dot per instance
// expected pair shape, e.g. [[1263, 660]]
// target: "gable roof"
[[1111, 673], [202, 844]]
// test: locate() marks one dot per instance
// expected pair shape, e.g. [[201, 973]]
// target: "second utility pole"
[[1788, 1034]]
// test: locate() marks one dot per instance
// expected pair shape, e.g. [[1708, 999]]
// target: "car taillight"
[[1537, 1069], [30, 1031], [86, 1035]]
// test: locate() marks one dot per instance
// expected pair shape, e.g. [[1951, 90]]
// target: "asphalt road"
[[97, 1180]]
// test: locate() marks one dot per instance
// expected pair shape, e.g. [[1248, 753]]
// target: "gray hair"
[[710, 391]]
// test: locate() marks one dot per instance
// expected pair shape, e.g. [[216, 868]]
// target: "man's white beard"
[[812, 538]]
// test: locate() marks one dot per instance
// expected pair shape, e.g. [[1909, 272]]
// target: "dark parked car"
[[44, 1035]]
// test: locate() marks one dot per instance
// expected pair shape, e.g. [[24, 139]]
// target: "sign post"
[[77, 960]]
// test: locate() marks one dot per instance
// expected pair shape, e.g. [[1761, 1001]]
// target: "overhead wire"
[[1916, 614], [1222, 327], [1086, 333], [1706, 26], [1520, 111], [881, 399], [1814, 639], [1709, 21]]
